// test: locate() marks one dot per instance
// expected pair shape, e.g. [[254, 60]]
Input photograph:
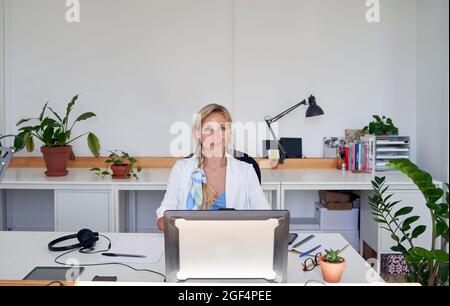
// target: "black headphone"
[[86, 238]]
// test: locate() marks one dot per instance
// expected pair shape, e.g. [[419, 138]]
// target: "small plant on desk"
[[122, 165], [332, 265], [332, 256]]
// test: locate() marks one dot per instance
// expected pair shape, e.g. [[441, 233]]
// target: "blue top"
[[221, 202]]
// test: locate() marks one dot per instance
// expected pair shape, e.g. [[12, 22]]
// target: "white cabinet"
[[29, 210], [78, 209]]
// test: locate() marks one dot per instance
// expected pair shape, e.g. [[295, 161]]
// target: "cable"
[[83, 251], [311, 281], [86, 251], [61, 284]]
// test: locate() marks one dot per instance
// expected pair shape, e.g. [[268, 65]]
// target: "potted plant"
[[55, 132], [332, 266], [429, 267], [381, 126], [121, 164]]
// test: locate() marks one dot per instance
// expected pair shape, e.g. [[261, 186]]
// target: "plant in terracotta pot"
[[381, 126], [55, 132], [122, 165], [332, 265]]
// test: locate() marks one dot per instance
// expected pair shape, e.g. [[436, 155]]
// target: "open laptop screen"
[[228, 245]]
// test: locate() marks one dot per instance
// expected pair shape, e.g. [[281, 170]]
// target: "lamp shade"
[[314, 110]]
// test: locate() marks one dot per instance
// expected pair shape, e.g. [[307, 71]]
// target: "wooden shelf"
[[164, 162]]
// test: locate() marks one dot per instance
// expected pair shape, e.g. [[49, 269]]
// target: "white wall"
[[2, 103], [432, 87], [445, 82], [290, 49], [160, 60], [140, 65], [2, 69]]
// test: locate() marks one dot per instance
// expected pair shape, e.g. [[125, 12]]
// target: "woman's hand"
[[160, 224]]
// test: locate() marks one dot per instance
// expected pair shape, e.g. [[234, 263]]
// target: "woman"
[[212, 179]]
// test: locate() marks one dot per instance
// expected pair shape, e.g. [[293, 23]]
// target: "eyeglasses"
[[311, 263]]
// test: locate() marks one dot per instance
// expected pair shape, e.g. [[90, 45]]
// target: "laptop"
[[226, 246]]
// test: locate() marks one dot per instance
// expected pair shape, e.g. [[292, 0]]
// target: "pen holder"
[[339, 163]]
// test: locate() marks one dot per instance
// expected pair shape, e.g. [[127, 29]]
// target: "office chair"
[[246, 159], [249, 160]]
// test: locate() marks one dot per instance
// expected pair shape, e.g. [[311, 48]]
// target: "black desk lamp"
[[314, 110]]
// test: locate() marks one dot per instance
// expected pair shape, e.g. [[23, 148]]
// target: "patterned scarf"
[[195, 196]]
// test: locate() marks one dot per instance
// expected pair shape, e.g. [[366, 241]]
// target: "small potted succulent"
[[381, 126], [121, 164], [55, 132], [332, 266]]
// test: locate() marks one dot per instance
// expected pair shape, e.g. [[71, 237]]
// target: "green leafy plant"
[[55, 130], [332, 256], [381, 126], [427, 267], [119, 158]]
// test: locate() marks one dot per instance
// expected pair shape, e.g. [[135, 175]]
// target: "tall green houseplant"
[[427, 266], [55, 132]]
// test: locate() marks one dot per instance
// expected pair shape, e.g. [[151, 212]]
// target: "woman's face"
[[214, 133]]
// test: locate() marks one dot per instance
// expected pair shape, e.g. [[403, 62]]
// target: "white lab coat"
[[243, 191]]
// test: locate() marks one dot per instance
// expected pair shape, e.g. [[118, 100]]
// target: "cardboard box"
[[334, 197], [338, 206]]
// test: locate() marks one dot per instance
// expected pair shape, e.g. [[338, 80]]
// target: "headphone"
[[86, 240]]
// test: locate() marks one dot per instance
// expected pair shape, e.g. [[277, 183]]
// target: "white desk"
[[102, 196], [330, 179], [21, 252], [81, 192]]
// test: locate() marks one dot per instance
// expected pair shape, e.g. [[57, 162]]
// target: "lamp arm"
[[283, 150], [270, 120], [286, 112]]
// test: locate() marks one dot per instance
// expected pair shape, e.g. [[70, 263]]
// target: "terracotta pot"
[[332, 272], [56, 160], [120, 171]]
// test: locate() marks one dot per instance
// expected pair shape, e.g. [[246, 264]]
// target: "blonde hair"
[[209, 194]]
